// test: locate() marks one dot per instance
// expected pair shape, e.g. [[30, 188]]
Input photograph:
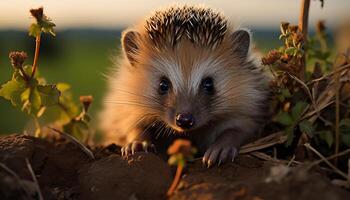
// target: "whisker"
[[150, 98], [139, 121], [132, 104]]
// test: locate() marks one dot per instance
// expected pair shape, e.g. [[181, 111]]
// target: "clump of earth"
[[64, 171]]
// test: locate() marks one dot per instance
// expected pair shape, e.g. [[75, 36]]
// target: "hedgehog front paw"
[[137, 146], [218, 153]]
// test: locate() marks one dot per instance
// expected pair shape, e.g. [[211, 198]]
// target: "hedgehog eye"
[[164, 86], [208, 85]]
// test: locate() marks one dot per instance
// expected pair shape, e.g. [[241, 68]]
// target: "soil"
[[64, 171]]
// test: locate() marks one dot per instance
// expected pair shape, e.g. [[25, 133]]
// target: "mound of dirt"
[[141, 176], [246, 180], [65, 172]]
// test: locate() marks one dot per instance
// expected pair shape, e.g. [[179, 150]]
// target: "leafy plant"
[[180, 152], [309, 90], [30, 92]]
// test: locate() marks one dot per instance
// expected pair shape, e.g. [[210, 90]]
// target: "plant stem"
[[304, 16], [303, 27], [337, 113], [24, 75], [36, 55], [37, 126], [176, 179]]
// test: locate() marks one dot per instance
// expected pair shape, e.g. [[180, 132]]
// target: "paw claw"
[[218, 154], [234, 154], [135, 146], [204, 161], [219, 163], [209, 163]]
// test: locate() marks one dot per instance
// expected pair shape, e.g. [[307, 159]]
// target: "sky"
[[110, 14]]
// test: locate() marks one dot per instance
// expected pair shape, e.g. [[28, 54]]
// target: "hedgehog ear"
[[130, 44], [241, 43]]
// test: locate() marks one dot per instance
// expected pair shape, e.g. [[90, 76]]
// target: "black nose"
[[185, 120]]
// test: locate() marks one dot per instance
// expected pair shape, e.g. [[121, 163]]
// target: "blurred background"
[[88, 34]]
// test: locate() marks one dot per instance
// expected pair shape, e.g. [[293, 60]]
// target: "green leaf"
[[344, 128], [31, 100], [327, 137], [284, 118], [47, 26], [12, 91], [34, 30], [63, 87], [346, 139], [35, 99], [291, 51], [28, 70], [307, 127], [25, 95], [66, 110], [49, 94], [286, 93], [345, 122], [290, 135], [298, 109]]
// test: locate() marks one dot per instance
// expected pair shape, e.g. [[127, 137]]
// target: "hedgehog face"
[[195, 80], [195, 86], [187, 101]]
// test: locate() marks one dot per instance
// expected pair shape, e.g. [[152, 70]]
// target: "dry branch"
[[342, 174], [262, 143], [303, 27], [31, 171]]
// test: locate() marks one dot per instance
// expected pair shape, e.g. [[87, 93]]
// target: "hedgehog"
[[185, 73]]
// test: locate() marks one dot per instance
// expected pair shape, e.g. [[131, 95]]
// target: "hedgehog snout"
[[184, 120]]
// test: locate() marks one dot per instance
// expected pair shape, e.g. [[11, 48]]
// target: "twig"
[[331, 157], [339, 69], [291, 161], [307, 145], [264, 156], [12, 173], [34, 179], [262, 143], [75, 141], [311, 113], [307, 90]]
